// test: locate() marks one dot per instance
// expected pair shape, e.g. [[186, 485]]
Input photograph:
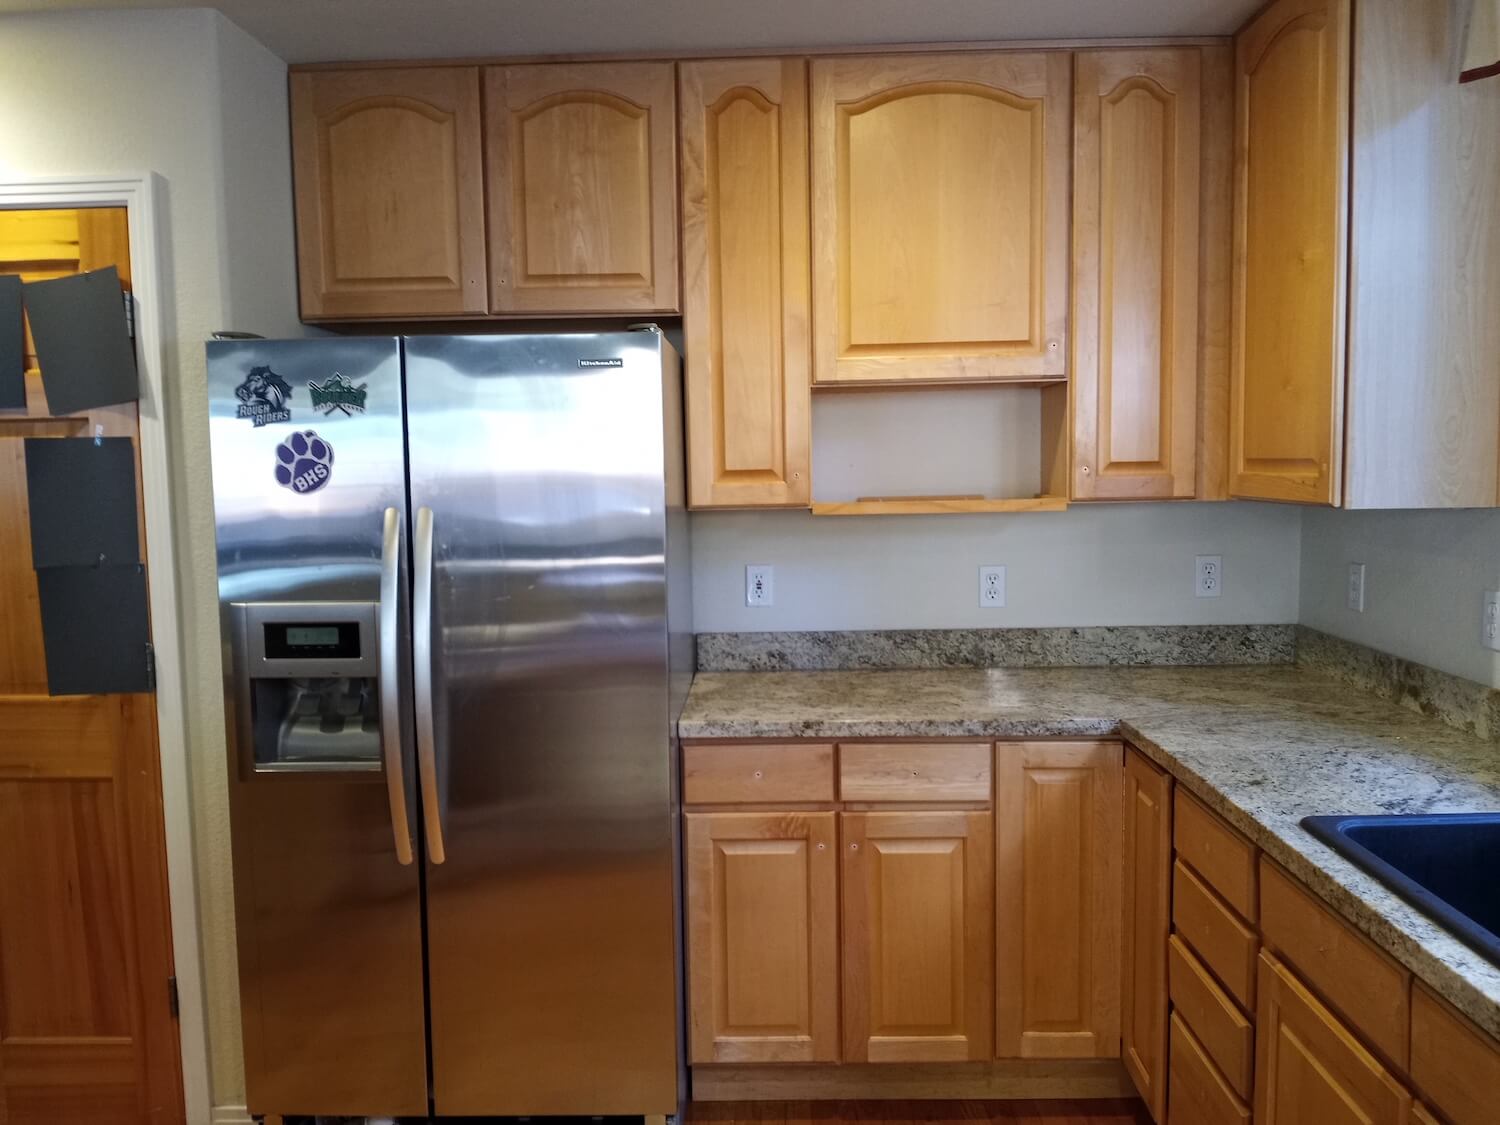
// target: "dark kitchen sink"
[[1447, 866]]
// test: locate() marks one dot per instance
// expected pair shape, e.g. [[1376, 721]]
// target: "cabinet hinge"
[[172, 1003], [150, 666]]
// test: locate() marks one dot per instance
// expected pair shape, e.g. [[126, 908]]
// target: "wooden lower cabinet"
[[918, 925], [1198, 1094], [762, 903], [1310, 1067], [1147, 890], [1057, 815]]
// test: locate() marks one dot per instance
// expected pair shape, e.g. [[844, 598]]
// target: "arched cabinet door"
[[940, 216], [389, 192], [582, 187]]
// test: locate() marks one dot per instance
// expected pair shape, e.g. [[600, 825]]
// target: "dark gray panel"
[[94, 629], [12, 345], [82, 498], [78, 324]]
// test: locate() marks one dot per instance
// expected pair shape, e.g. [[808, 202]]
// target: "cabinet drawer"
[[756, 774], [1196, 1093], [1364, 985], [1226, 1036], [1454, 1064], [1222, 942], [914, 771], [1223, 858]]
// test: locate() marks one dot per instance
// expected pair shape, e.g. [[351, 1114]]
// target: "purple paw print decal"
[[304, 462]]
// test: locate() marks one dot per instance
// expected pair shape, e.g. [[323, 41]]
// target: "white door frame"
[[140, 194]]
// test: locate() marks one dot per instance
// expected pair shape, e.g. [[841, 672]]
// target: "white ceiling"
[[311, 30]]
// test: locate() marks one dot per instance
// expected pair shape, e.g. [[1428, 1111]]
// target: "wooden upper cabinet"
[[389, 192], [1310, 1068], [1290, 252], [1147, 888], [762, 922], [1136, 162], [1058, 833], [940, 216], [582, 187], [745, 269], [918, 920]]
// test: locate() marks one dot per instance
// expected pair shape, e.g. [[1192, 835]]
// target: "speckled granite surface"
[[997, 648], [1263, 746]]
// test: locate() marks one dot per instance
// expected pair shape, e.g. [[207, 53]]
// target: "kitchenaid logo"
[[601, 362], [337, 393]]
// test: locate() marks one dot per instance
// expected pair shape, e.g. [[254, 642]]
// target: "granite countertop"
[[1262, 746]]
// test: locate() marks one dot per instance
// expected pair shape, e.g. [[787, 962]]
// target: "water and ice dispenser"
[[307, 680]]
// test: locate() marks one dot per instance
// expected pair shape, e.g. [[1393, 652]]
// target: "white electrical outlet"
[[1490, 631], [991, 587], [1354, 597], [760, 585], [1210, 576]]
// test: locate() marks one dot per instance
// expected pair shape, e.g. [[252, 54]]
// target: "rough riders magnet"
[[337, 393], [304, 462], [263, 397]]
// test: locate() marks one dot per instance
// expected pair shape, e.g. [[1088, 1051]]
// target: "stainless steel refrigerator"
[[453, 585]]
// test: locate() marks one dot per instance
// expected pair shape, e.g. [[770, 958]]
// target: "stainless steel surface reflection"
[[551, 922]]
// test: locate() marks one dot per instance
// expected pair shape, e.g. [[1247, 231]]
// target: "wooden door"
[[918, 927], [762, 919], [1057, 880], [1290, 252], [1136, 160], [745, 294], [940, 216], [582, 168], [87, 1031], [1147, 888], [389, 192], [1310, 1068]]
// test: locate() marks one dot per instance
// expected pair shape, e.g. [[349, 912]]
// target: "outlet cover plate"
[[1209, 576], [760, 585], [992, 587], [1490, 628], [1354, 596]]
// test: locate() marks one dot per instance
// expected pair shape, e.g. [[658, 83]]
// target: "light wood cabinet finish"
[[1199, 1095], [582, 186], [907, 771], [1364, 985], [1215, 933], [1147, 891], [1223, 1031], [1310, 1068], [762, 920], [940, 216], [1290, 252], [746, 303], [757, 773], [1058, 831], [389, 192], [1454, 1064], [1219, 855], [919, 904], [1421, 1115], [1136, 164]]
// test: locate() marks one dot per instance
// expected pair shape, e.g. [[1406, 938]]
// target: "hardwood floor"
[[1130, 1112]]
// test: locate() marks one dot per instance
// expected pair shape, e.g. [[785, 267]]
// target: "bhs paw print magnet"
[[304, 462]]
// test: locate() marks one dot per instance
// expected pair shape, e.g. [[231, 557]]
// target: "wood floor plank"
[[898, 1112]]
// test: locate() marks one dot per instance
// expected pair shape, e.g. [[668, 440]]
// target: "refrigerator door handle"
[[389, 676], [432, 811]]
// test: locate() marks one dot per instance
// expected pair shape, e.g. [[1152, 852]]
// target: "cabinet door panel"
[[1057, 815], [1135, 273], [745, 299], [389, 192], [762, 937], [1147, 890], [918, 927], [582, 187], [1310, 1068], [1290, 252], [939, 187]]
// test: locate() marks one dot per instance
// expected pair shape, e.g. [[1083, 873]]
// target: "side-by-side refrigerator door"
[[542, 729], [310, 505]]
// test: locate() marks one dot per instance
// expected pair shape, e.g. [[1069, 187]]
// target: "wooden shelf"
[[937, 506]]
